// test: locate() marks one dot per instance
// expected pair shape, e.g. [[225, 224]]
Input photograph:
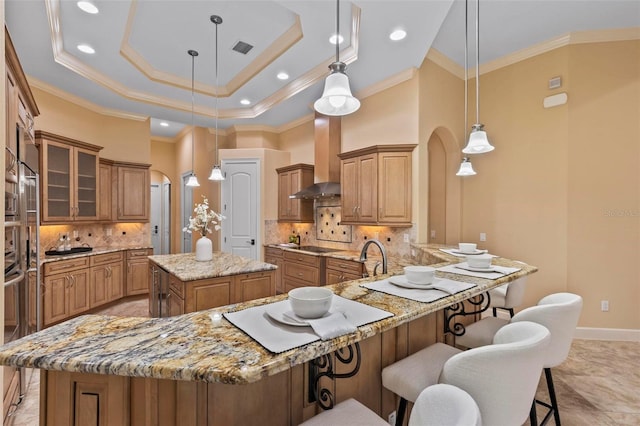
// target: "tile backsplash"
[[393, 239], [96, 235]]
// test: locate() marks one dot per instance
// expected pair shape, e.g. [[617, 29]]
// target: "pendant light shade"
[[466, 169], [216, 173], [478, 141], [193, 180], [337, 98]]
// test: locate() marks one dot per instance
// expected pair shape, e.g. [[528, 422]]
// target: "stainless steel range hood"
[[326, 170], [318, 191]]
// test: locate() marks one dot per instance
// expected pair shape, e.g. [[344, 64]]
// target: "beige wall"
[[121, 139], [543, 195], [437, 220], [299, 141]]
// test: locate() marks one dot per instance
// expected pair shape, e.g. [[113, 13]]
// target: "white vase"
[[204, 249]]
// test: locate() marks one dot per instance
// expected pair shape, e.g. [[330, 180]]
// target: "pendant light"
[[337, 98], [466, 169], [478, 142], [193, 180], [216, 173]]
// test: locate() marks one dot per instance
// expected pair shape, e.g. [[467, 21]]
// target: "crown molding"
[[295, 123], [394, 80], [443, 61], [164, 139], [46, 87]]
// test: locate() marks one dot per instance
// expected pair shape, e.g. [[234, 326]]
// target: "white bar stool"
[[558, 312]]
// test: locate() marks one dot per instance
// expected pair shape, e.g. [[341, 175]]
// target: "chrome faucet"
[[363, 255]]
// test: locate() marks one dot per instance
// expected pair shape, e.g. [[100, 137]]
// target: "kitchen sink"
[[315, 249]]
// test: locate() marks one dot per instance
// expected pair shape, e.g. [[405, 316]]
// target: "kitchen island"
[[179, 284], [198, 368]]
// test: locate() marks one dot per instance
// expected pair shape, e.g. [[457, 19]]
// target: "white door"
[[156, 218], [240, 193], [187, 209]]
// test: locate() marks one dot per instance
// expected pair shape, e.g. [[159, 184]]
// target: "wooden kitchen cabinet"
[[198, 295], [85, 399], [340, 270], [70, 179], [66, 289], [376, 185], [292, 179], [134, 192], [108, 191], [107, 279], [274, 256], [301, 270], [137, 278]]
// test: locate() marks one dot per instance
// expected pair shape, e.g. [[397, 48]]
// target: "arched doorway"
[[437, 221]]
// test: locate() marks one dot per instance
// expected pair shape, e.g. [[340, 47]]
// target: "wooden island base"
[[281, 399]]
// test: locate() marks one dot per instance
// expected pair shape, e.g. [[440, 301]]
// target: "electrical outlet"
[[376, 235], [392, 418], [406, 238], [433, 233], [108, 232], [604, 305], [483, 236]]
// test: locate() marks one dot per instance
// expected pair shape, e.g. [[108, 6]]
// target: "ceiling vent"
[[242, 47]]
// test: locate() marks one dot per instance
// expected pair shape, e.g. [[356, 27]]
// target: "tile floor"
[[597, 385]]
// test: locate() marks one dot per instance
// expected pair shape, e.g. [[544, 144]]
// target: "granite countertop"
[[95, 251], [202, 346], [186, 268]]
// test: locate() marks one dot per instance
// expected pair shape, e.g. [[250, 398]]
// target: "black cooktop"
[[315, 249]]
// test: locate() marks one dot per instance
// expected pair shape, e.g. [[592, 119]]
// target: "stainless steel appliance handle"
[[15, 280]]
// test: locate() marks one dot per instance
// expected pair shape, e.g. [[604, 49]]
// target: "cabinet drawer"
[[176, 286], [307, 259], [308, 274], [103, 259], [347, 266], [273, 252], [66, 265], [138, 253]]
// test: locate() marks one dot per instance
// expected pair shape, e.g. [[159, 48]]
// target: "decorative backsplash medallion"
[[328, 227]]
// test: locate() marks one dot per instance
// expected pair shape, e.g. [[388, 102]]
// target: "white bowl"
[[310, 302], [479, 261], [417, 274], [467, 247]]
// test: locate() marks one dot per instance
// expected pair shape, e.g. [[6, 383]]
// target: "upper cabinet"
[[69, 173], [292, 179], [134, 191], [124, 191], [376, 185]]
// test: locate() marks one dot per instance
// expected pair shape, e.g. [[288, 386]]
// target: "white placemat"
[[419, 295], [456, 253], [501, 271], [278, 337]]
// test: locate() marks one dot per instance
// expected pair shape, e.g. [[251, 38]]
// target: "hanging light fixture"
[[337, 98], [193, 180], [216, 173], [466, 169], [478, 142]]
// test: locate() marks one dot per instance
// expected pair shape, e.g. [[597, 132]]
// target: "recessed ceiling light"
[[332, 39], [245, 102], [85, 48], [282, 75], [88, 7], [397, 35], [164, 124]]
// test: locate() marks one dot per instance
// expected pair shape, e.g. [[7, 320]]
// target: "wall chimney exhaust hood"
[[326, 170]]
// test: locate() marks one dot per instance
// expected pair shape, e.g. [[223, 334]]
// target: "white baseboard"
[[620, 334]]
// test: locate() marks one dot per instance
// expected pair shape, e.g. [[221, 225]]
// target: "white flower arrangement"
[[205, 220]]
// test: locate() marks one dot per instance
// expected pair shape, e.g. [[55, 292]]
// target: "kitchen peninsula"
[[201, 369], [179, 284]]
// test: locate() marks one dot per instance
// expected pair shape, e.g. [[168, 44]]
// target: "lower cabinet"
[[137, 280], [274, 256], [340, 270], [106, 279], [66, 292], [192, 296], [301, 270]]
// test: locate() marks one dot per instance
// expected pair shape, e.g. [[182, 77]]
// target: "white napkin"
[[496, 272], [445, 287], [456, 253], [333, 325]]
